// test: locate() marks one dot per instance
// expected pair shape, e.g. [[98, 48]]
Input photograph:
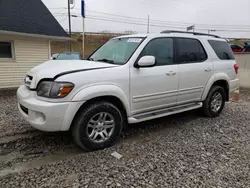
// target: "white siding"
[[28, 52]]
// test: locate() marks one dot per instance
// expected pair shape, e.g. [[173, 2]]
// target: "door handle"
[[208, 69], [171, 73]]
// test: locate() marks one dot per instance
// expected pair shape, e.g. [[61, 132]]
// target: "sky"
[[227, 18]]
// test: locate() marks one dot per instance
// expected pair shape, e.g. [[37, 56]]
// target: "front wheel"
[[98, 126], [215, 102]]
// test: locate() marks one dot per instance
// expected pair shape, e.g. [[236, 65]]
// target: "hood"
[[52, 68]]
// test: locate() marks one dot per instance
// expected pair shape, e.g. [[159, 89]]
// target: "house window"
[[6, 50]]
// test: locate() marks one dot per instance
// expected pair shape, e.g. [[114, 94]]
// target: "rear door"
[[194, 69]]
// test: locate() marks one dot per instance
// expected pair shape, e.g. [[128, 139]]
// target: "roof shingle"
[[29, 16]]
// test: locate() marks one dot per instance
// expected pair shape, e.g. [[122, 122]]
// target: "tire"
[[209, 110], [85, 123]]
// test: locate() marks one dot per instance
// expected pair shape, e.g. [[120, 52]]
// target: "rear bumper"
[[46, 116]]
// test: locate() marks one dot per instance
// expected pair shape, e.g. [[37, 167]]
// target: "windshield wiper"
[[90, 59], [106, 61]]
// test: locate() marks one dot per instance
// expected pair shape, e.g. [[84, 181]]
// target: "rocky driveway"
[[184, 150]]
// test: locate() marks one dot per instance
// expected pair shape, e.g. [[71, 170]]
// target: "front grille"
[[24, 109]]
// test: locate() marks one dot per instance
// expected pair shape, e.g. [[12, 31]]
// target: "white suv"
[[129, 79]]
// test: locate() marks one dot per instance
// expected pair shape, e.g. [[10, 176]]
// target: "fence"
[[243, 60]]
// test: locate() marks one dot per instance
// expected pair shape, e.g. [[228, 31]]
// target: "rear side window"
[[189, 51], [222, 49]]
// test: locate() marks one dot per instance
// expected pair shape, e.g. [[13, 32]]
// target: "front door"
[[155, 87], [194, 69]]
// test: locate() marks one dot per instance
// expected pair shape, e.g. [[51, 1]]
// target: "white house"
[[26, 29]]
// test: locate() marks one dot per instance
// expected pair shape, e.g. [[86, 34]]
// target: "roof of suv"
[[178, 34]]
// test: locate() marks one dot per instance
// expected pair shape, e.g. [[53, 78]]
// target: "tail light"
[[236, 68]]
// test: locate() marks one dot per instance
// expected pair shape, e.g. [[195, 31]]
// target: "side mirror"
[[54, 58], [146, 61]]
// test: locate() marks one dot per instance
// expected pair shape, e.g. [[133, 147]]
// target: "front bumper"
[[46, 116]]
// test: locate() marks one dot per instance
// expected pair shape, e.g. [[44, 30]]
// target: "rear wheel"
[[98, 126], [215, 102]]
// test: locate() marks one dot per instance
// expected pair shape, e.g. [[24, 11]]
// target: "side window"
[[222, 49], [161, 49], [189, 51]]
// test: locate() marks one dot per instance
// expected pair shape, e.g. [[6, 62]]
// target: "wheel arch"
[[225, 85], [108, 98], [107, 93], [220, 80]]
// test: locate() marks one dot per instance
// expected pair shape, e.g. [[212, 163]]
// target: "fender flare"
[[91, 92], [211, 81]]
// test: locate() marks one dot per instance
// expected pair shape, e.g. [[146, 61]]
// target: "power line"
[[63, 19], [174, 3], [159, 25], [58, 8], [59, 12], [129, 22], [169, 22], [164, 24]]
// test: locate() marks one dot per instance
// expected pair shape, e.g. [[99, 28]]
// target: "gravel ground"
[[183, 150], [10, 122]]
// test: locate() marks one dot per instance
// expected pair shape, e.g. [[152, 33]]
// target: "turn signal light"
[[65, 90]]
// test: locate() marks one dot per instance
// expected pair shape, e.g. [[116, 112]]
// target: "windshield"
[[116, 51], [68, 56]]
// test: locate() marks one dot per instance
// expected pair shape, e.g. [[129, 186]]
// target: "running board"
[[163, 112]]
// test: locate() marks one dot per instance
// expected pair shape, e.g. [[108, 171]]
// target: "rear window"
[[222, 49]]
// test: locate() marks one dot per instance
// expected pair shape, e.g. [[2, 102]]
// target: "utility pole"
[[148, 25], [69, 15]]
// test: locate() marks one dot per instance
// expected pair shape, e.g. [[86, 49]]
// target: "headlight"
[[54, 89]]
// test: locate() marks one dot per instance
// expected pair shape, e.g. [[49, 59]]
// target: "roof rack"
[[192, 33]]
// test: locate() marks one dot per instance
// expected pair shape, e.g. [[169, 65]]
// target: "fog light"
[[37, 117], [42, 117]]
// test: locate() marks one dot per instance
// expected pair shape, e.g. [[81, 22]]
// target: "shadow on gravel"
[[37, 144], [42, 148], [42, 144], [8, 92], [174, 121]]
